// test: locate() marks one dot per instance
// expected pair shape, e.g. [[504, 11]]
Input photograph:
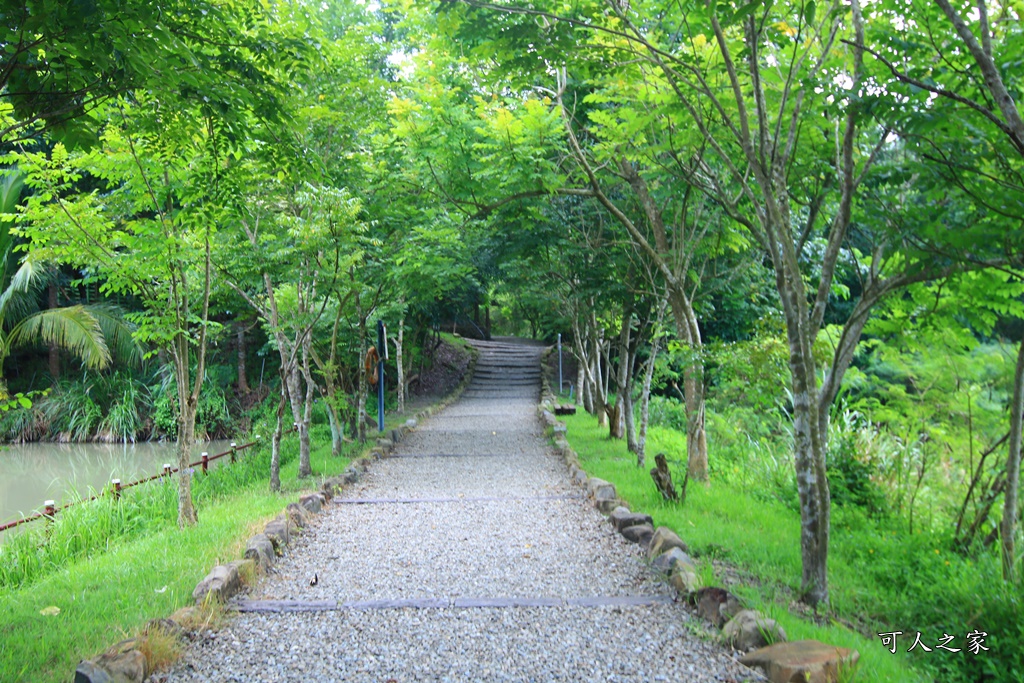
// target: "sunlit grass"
[[720, 521]]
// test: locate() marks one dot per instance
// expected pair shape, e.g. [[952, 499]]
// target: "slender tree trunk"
[[243, 379], [645, 404], [295, 394], [1008, 527], [400, 369], [337, 433], [275, 442], [305, 466], [622, 379], [597, 378], [186, 436], [361, 384], [693, 387], [632, 442], [809, 443], [54, 350]]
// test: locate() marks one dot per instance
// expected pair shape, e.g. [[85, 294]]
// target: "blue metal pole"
[[559, 362]]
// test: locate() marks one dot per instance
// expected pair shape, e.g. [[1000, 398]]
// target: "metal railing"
[[50, 509]]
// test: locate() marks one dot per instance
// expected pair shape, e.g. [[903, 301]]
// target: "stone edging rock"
[[126, 662], [746, 630]]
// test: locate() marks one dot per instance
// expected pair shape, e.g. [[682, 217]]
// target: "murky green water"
[[33, 473]]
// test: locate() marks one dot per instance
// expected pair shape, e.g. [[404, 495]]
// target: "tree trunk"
[[295, 394], [337, 432], [243, 379], [54, 350], [400, 369], [186, 435], [693, 387], [305, 466], [275, 442], [361, 384], [809, 443], [1008, 527], [645, 404], [622, 379], [632, 443]]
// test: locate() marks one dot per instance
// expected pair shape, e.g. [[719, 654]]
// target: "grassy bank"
[[880, 580], [110, 567]]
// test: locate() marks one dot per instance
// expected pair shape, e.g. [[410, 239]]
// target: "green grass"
[[106, 564], [758, 535], [110, 567]]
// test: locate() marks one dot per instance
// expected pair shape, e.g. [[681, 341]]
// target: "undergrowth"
[[881, 579]]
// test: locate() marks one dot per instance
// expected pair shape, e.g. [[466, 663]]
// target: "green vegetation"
[[112, 566], [881, 577], [789, 231]]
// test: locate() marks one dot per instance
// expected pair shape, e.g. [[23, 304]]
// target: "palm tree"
[[84, 331]]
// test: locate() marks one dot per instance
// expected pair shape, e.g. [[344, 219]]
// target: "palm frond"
[[118, 333], [18, 299], [73, 329], [12, 180]]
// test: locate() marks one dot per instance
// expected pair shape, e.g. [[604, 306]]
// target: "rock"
[[350, 475], [411, 423], [87, 672], [167, 626], [664, 539], [313, 503], [600, 489], [717, 605], [122, 663], [560, 428], [621, 518], [279, 531], [184, 617], [246, 569], [220, 584], [606, 505], [749, 630], [396, 435], [385, 444], [684, 578], [802, 660], [580, 477], [638, 533], [666, 562], [298, 515]]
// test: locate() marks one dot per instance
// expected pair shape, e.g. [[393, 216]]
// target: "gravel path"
[[472, 505]]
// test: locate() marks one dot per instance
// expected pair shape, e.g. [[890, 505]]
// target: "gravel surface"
[[501, 520]]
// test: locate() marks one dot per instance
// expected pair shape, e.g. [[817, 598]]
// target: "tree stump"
[[663, 478]]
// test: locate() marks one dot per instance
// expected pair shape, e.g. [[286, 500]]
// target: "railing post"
[[206, 461], [117, 489], [167, 469], [234, 447], [49, 512]]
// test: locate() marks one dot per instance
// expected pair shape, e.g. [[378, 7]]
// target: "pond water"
[[33, 473]]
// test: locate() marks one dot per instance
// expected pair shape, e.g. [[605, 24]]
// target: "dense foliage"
[[790, 232]]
